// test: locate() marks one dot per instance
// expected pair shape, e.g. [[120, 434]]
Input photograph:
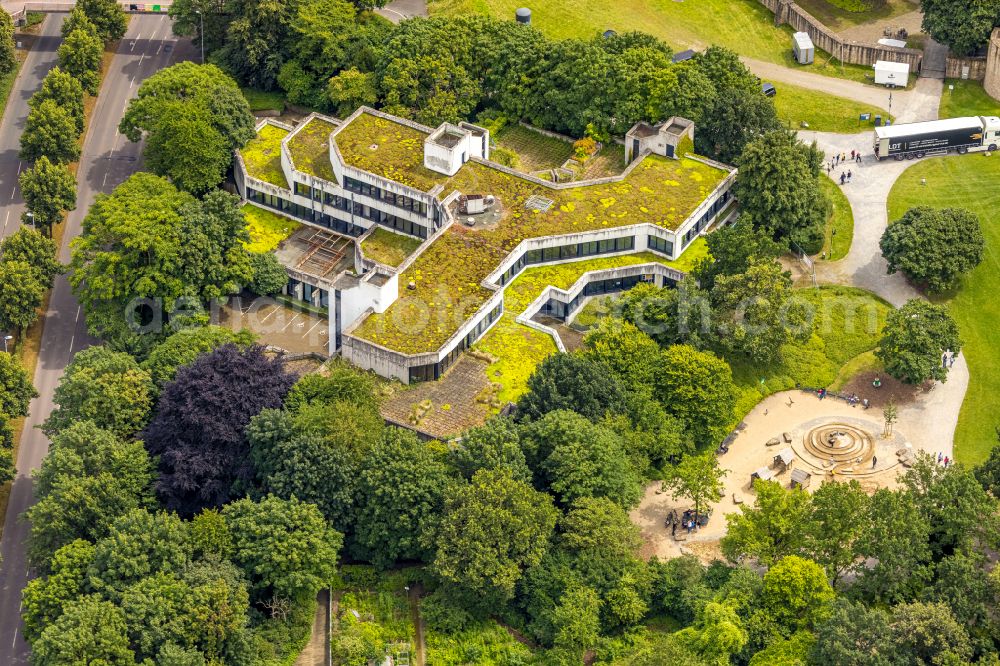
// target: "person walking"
[[857, 160], [940, 456], [852, 154], [843, 157], [843, 178], [874, 460], [849, 175], [946, 461]]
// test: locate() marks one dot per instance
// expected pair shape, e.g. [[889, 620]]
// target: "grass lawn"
[[535, 150], [967, 99], [266, 229], [970, 182], [745, 26], [838, 19], [847, 322], [389, 248], [262, 100], [840, 225], [823, 112]]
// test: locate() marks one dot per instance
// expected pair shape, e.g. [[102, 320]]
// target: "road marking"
[[6, 220], [19, 167], [269, 315], [14, 642], [318, 322], [71, 345], [78, 308], [105, 181], [289, 323]]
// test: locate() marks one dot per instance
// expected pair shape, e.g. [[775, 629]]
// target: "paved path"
[[108, 158], [398, 10], [37, 64]]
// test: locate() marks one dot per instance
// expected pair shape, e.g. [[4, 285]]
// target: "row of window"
[[560, 310], [391, 198], [660, 245], [391, 221], [571, 251], [433, 371], [305, 213], [310, 294], [706, 217]]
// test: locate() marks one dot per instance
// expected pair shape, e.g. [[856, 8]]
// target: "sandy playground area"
[[828, 438]]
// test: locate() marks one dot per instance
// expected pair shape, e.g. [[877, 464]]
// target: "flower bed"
[[262, 156]]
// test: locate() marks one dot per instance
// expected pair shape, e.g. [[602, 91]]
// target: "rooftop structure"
[[381, 179]]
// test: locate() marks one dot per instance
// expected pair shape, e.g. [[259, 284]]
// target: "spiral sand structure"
[[846, 447]]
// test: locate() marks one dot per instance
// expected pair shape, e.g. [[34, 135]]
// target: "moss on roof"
[[266, 229], [310, 150], [388, 149], [262, 155], [389, 248]]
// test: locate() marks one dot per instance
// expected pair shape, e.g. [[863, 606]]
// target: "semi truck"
[[963, 135]]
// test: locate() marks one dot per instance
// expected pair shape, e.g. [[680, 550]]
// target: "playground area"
[[794, 438]]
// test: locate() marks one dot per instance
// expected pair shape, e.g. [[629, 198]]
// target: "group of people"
[[853, 400], [842, 159], [944, 460], [948, 358]]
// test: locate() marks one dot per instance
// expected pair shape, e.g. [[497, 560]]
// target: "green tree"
[[107, 16], [696, 478], [8, 57], [45, 597], [934, 246], [351, 89], [64, 89], [796, 593], [269, 276], [49, 191], [756, 313], [833, 530], [671, 316], [772, 529], [971, 596], [50, 130], [185, 346], [927, 634], [717, 634], [21, 295], [78, 19], [629, 352], [896, 539], [33, 248], [913, 340], [340, 382], [571, 381], [285, 546], [139, 544], [189, 103], [429, 89], [778, 188], [732, 122], [493, 530], [89, 631], [106, 387], [987, 473], [853, 635], [964, 26], [577, 621], [16, 390], [493, 445], [731, 251], [402, 487], [697, 387], [80, 56]]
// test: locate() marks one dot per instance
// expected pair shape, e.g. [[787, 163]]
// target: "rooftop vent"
[[538, 202], [523, 15]]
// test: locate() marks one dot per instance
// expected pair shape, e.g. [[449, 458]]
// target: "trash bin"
[[878, 121]]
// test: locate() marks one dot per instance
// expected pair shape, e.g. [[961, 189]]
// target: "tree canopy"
[[934, 247], [914, 339], [962, 25]]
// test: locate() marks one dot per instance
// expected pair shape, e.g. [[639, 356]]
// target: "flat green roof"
[[389, 149], [389, 248], [310, 151], [262, 155], [267, 229]]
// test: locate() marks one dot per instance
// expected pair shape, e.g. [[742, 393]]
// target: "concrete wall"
[[787, 12], [991, 80]]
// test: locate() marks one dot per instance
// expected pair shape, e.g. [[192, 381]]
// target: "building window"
[[660, 245]]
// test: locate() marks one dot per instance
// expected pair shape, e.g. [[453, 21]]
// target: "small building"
[[762, 473], [892, 74], [803, 49], [801, 478], [660, 139], [784, 460]]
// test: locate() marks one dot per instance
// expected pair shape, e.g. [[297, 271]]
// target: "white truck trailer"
[[963, 135]]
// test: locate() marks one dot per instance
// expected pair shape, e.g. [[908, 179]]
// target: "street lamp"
[[5, 339], [31, 218], [201, 35]]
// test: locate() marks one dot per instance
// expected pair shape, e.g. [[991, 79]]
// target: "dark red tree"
[[198, 429]]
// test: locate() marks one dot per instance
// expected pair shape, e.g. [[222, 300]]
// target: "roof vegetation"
[[389, 248], [262, 155], [388, 149], [309, 147], [267, 230]]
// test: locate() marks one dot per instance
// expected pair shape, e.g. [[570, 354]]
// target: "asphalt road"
[[108, 159], [37, 64]]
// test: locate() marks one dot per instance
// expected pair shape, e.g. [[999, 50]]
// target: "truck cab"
[[991, 132]]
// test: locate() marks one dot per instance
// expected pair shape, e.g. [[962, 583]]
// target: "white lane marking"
[[318, 321], [105, 181], [71, 345], [19, 164], [14, 642], [78, 308], [289, 323], [6, 220]]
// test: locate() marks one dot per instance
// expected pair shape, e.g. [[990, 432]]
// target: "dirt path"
[[853, 90], [419, 649], [314, 653]]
